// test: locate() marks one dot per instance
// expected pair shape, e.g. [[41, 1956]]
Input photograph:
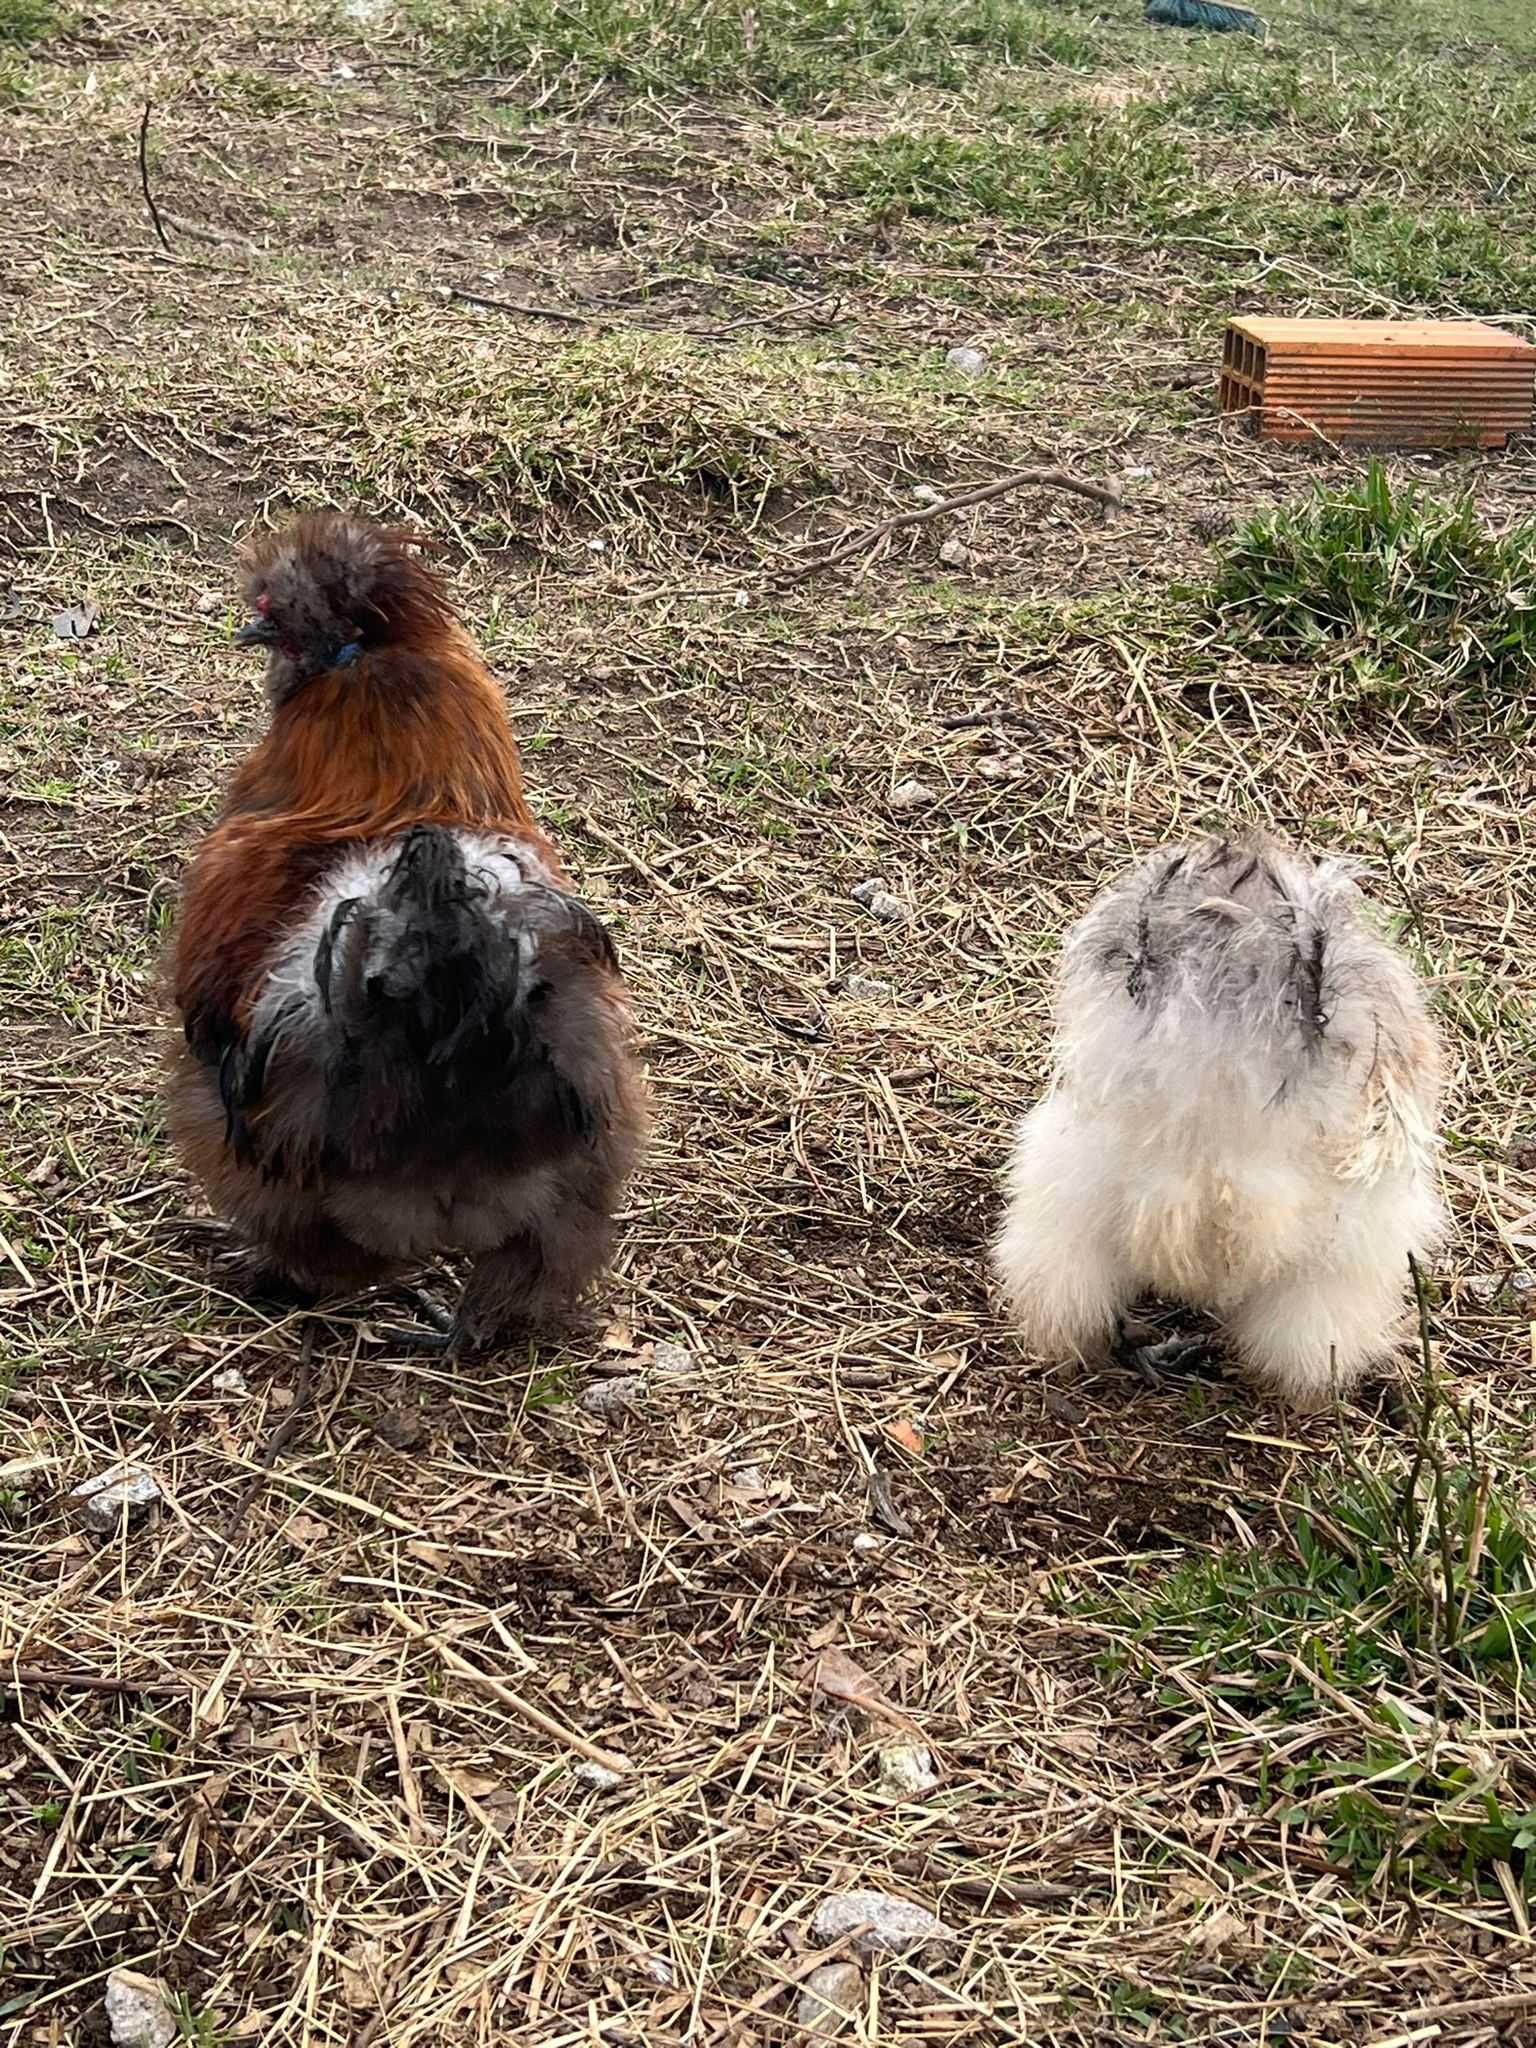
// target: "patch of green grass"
[[1391, 584], [1471, 25], [1428, 1566], [756, 770], [26, 21], [1059, 165], [603, 429], [943, 177], [1442, 124], [550, 1388], [1136, 171], [17, 82], [791, 51], [258, 92], [1373, 1554], [1438, 260], [198, 2026]]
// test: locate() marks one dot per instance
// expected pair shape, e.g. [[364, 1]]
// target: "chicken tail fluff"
[[440, 986], [1242, 1118], [1234, 968]]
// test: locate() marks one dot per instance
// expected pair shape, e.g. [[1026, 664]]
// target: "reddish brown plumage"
[[414, 732], [376, 856]]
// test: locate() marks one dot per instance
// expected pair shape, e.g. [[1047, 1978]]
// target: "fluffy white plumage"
[[1242, 1118]]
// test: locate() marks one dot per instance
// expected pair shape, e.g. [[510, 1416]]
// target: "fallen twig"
[[529, 312], [616, 324], [969, 721], [218, 238], [870, 536], [149, 197], [51, 1678], [882, 1504], [500, 1690]]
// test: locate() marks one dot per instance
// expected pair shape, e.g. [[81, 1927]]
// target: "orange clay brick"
[[1395, 383]]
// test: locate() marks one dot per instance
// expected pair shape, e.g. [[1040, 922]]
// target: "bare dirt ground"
[[1214, 1761]]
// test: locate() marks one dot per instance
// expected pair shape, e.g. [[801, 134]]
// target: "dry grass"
[[299, 1778]]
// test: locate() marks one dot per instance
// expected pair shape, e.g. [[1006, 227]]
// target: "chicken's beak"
[[259, 633]]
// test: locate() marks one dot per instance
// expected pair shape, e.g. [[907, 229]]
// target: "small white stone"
[[659, 1970], [78, 623], [597, 1777], [123, 1493], [888, 908], [747, 1479], [954, 554], [831, 1998], [672, 1358], [617, 1396], [925, 494], [1141, 471], [895, 1926], [208, 602], [912, 796], [868, 988], [230, 1381], [970, 362], [866, 1543], [138, 2014], [1511, 1290], [345, 71], [906, 1770]]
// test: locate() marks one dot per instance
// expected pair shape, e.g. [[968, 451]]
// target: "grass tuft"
[[1061, 165], [26, 21], [792, 51], [1425, 1566], [1392, 584], [612, 427]]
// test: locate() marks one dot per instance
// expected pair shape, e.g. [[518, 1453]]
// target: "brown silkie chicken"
[[404, 1036]]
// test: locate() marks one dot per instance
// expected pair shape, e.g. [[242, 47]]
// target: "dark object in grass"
[[149, 197], [1199, 1356], [1206, 14]]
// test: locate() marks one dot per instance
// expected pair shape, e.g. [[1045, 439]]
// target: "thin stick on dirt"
[[527, 310], [45, 1678], [521, 306], [870, 536], [149, 197], [280, 1436], [1003, 714], [1430, 1450], [499, 1690]]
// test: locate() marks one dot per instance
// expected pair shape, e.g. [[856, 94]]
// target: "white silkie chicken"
[[1242, 1119]]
